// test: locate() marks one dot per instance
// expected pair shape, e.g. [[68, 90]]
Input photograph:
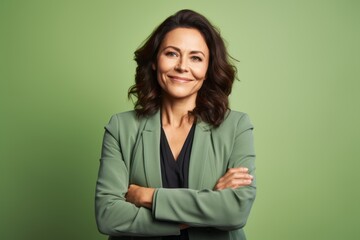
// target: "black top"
[[174, 173]]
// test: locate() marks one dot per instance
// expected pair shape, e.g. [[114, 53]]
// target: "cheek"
[[200, 72], [165, 65], [159, 77]]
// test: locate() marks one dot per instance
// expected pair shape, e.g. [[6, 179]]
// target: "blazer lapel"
[[199, 154], [151, 146]]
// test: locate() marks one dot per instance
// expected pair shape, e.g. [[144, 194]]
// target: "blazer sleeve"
[[115, 216], [227, 209]]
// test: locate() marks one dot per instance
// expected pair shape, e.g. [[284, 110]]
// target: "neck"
[[176, 113]]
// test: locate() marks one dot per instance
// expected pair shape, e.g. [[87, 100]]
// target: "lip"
[[179, 79]]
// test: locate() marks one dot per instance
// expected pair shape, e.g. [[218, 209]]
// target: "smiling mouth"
[[180, 79]]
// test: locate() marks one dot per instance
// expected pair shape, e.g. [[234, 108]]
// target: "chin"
[[182, 96]]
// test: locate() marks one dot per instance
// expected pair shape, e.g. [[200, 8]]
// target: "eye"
[[171, 54], [196, 58]]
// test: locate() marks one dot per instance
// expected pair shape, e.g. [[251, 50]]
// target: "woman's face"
[[182, 63]]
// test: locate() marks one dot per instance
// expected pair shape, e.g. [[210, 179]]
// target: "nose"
[[182, 65]]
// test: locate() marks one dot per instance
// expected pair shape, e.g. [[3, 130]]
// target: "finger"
[[233, 183], [237, 183], [133, 186], [235, 176], [238, 169], [232, 171]]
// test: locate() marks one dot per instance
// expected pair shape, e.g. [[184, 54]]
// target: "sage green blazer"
[[131, 155]]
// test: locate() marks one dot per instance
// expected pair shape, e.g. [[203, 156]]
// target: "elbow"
[[107, 220], [237, 225], [236, 217], [107, 226], [102, 228], [238, 222], [103, 225], [112, 219], [102, 216], [108, 215], [234, 222]]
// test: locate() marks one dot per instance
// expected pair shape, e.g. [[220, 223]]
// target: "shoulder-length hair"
[[212, 99]]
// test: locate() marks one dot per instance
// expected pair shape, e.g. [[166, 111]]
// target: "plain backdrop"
[[66, 66]]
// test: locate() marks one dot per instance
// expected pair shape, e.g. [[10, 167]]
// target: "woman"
[[181, 165]]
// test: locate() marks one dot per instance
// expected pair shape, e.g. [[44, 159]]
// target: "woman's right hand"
[[234, 178]]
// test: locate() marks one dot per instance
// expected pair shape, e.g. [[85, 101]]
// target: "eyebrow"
[[179, 50]]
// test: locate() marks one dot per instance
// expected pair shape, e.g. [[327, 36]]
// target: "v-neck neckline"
[[182, 150]]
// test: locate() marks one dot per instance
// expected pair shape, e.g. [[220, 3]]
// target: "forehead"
[[186, 39]]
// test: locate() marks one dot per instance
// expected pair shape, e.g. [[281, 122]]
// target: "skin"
[[233, 178], [181, 68]]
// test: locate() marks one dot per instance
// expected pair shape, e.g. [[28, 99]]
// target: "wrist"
[[147, 200]]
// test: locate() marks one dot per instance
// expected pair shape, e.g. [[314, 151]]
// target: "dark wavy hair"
[[212, 99]]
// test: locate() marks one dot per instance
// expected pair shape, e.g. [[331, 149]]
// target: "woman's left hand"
[[234, 178], [140, 196]]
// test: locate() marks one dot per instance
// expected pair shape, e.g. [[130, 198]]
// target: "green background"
[[66, 66]]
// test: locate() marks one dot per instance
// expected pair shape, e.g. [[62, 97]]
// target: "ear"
[[153, 66]]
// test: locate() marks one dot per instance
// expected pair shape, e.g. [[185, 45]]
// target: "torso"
[[176, 137]]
